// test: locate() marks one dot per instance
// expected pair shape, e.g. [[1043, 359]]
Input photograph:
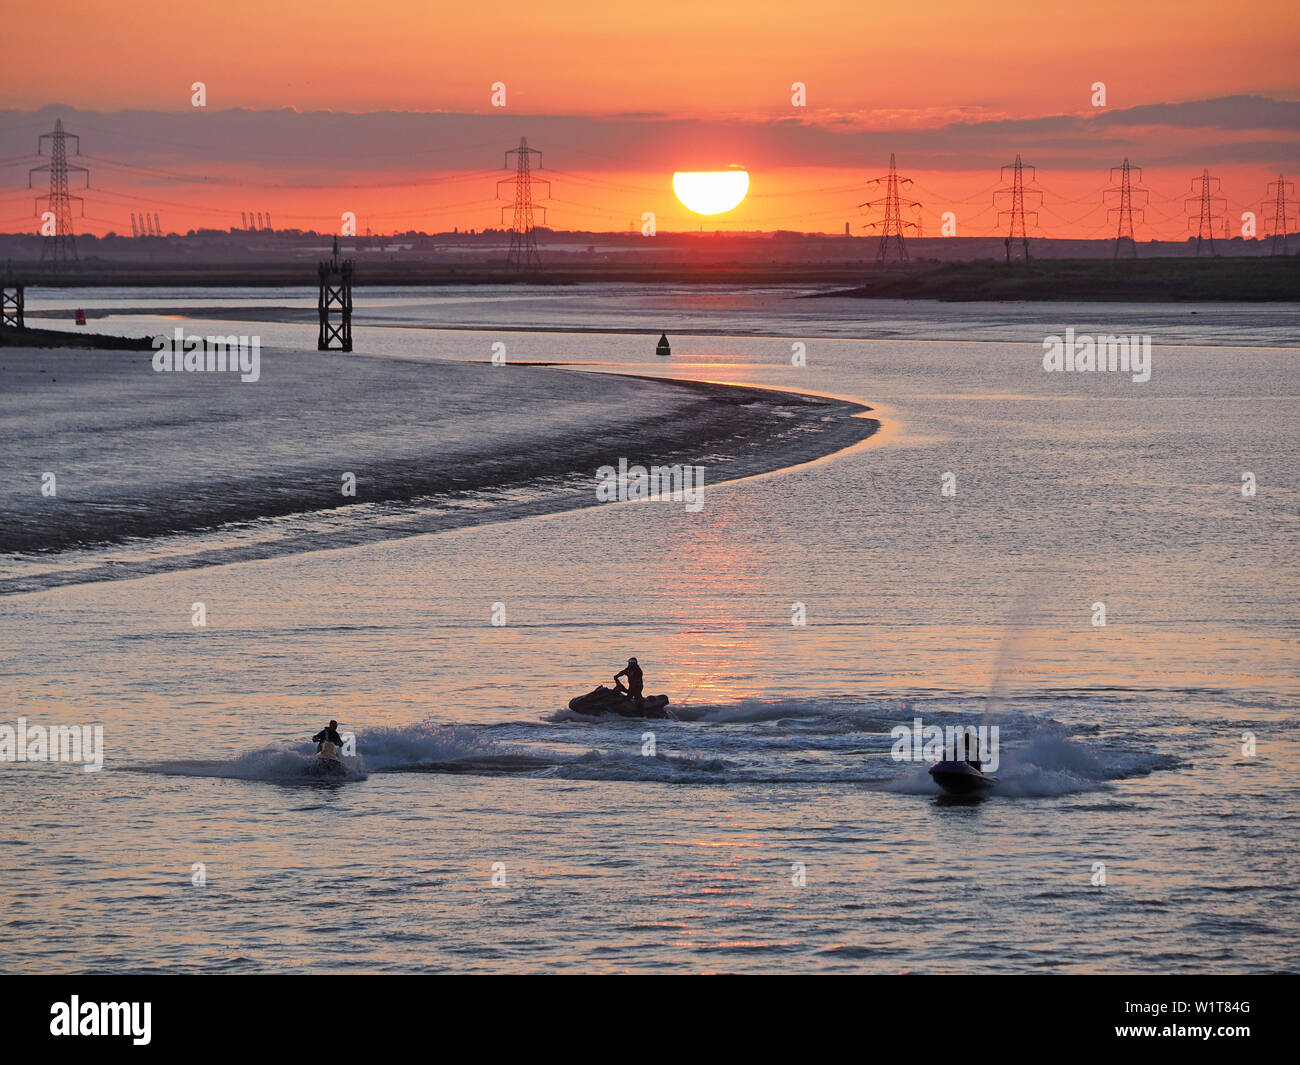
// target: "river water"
[[1145, 817]]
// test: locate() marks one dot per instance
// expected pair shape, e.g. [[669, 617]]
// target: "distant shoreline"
[[1242, 279], [1132, 281]]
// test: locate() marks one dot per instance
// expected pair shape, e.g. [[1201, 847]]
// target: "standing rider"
[[635, 683]]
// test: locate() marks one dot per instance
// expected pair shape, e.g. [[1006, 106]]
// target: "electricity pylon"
[[523, 239], [1125, 208], [1282, 213], [1206, 201], [891, 228], [1017, 230], [60, 246]]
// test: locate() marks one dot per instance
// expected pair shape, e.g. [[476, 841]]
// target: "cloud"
[[1224, 112], [327, 144]]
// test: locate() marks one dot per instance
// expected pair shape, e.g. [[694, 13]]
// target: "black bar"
[[1053, 1016]]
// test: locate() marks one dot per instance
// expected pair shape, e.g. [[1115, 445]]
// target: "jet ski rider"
[[635, 684], [329, 734]]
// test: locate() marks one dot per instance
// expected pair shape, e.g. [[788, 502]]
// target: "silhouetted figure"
[[635, 683], [329, 734]]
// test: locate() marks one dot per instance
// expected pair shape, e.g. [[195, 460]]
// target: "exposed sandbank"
[[139, 455]]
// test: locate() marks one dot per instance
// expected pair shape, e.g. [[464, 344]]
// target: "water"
[[770, 829]]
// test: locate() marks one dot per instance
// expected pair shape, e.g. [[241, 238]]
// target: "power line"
[[295, 154], [172, 175]]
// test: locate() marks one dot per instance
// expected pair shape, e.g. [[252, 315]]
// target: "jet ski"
[[328, 763], [609, 701], [961, 778]]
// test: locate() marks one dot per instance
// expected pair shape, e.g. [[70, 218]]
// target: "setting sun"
[[711, 192]]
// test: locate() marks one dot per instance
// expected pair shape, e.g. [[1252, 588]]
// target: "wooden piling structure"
[[11, 305]]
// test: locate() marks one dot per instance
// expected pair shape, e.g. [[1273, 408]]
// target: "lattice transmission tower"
[[892, 226], [1205, 198], [1017, 229], [523, 238], [1125, 241], [60, 245], [1282, 211]]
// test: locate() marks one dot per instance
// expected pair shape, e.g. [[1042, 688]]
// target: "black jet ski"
[[609, 701], [961, 778], [328, 763]]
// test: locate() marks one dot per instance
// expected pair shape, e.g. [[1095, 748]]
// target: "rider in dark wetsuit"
[[329, 734], [635, 683]]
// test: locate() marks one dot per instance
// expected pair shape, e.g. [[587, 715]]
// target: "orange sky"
[[892, 69], [1012, 57]]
